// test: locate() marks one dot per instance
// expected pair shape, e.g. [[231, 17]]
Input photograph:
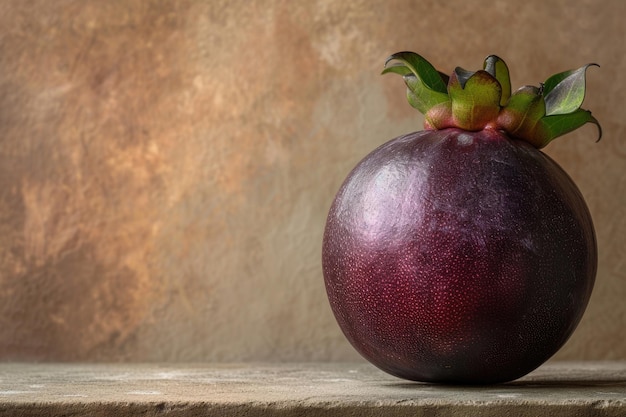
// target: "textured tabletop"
[[560, 388]]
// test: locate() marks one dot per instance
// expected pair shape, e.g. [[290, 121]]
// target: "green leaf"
[[427, 87], [528, 102], [564, 92], [522, 113], [475, 98], [558, 125], [420, 97], [462, 75], [445, 78], [397, 68], [421, 68], [555, 79], [499, 70]]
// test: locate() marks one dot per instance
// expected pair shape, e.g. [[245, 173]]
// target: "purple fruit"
[[460, 255]]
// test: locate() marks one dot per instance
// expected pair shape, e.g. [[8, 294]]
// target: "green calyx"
[[477, 100]]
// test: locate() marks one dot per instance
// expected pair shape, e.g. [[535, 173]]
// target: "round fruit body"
[[458, 257]]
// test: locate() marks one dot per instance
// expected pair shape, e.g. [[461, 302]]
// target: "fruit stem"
[[477, 100]]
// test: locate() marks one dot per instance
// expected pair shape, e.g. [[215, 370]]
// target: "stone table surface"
[[311, 389]]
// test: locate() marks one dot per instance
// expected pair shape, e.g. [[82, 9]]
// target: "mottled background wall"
[[166, 167]]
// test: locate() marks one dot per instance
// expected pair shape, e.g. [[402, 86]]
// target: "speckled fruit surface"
[[458, 257]]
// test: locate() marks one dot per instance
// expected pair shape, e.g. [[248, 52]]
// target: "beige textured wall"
[[166, 167]]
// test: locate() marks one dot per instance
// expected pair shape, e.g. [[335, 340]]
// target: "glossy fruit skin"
[[458, 257]]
